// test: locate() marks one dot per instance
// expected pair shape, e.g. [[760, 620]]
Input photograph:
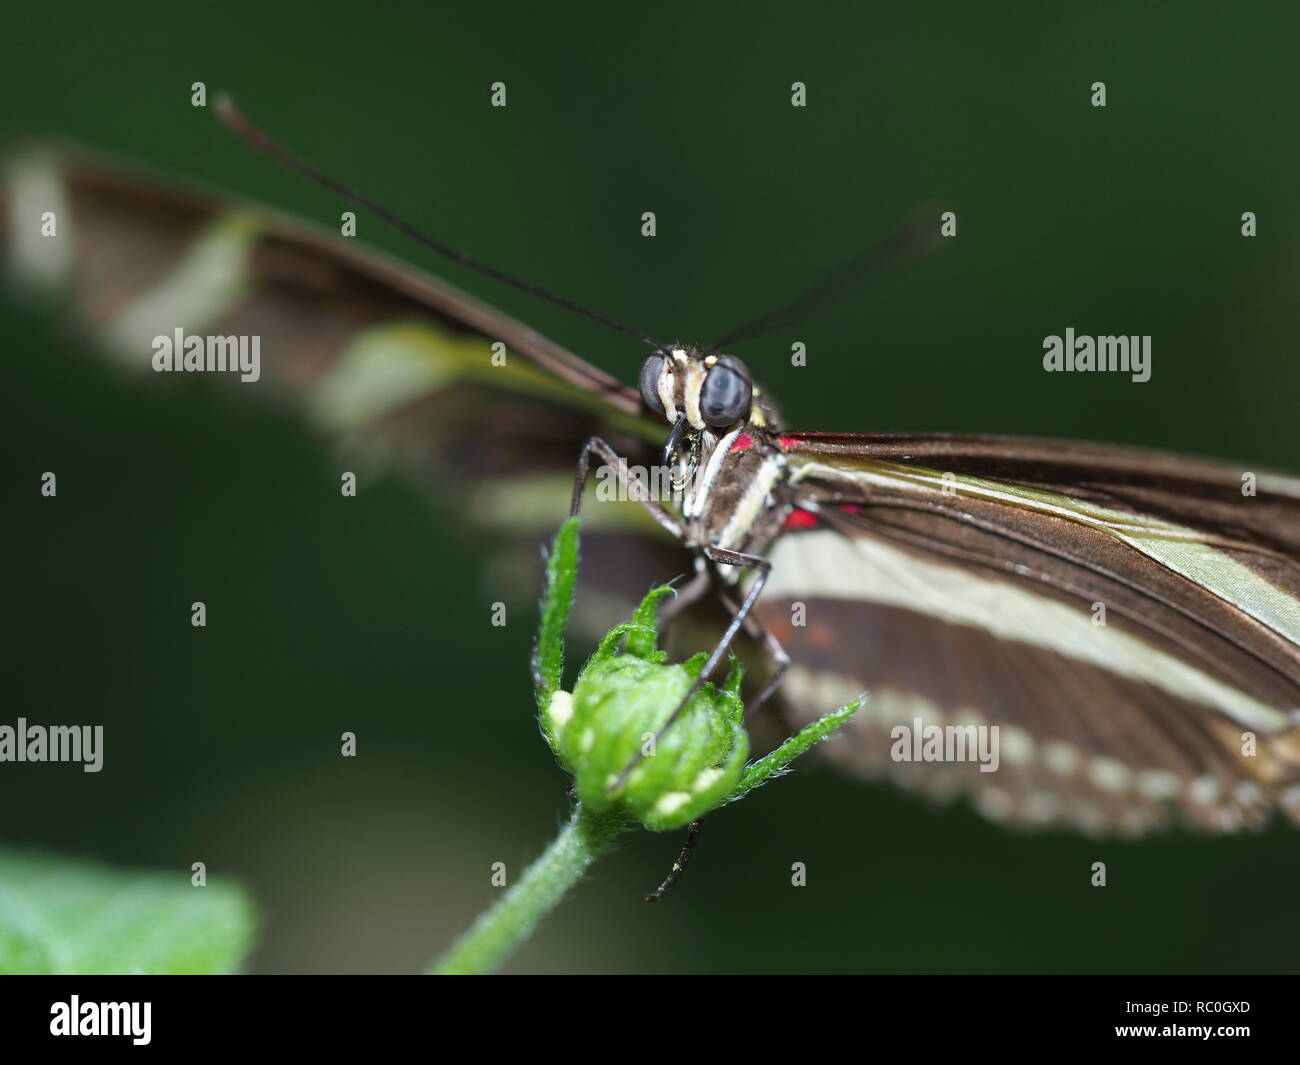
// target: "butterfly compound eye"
[[649, 382], [726, 394]]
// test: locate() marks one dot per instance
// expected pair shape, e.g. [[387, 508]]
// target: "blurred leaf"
[[61, 915]]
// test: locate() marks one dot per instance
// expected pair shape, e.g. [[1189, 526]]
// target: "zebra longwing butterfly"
[[1129, 620]]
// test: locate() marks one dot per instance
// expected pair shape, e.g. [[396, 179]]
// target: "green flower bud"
[[606, 733], [614, 714]]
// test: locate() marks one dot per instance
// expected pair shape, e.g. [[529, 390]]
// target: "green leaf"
[[774, 764], [60, 915], [644, 641], [561, 575]]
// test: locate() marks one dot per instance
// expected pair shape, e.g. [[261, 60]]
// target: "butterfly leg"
[[687, 595], [780, 657], [727, 558], [740, 615], [635, 488], [679, 866]]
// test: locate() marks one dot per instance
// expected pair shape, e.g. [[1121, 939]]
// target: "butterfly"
[[1129, 621]]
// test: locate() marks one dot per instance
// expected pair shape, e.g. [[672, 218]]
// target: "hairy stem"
[[510, 920]]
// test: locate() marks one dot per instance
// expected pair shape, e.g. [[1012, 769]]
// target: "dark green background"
[[367, 614]]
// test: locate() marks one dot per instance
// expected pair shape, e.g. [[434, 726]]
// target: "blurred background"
[[366, 615]]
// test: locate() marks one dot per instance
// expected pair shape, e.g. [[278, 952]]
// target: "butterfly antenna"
[[917, 238], [238, 123]]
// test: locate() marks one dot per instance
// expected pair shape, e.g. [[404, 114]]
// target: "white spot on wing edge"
[[1205, 790], [1108, 774], [994, 803], [1159, 784], [36, 186], [1061, 758], [1017, 745]]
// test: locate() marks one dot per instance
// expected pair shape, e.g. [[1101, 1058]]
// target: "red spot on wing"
[[822, 636], [788, 440], [851, 508], [741, 442], [782, 630], [800, 519]]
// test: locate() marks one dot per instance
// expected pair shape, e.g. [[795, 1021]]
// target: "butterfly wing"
[[397, 366], [1129, 620], [956, 577]]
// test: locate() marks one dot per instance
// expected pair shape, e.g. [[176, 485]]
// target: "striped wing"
[[1129, 620], [964, 570], [394, 364]]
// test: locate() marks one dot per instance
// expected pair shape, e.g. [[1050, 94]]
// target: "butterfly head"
[[704, 397], [713, 392]]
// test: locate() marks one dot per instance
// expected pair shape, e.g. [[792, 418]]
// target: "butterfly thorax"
[[738, 498]]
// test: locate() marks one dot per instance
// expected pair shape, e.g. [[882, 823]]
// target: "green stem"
[[512, 918]]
